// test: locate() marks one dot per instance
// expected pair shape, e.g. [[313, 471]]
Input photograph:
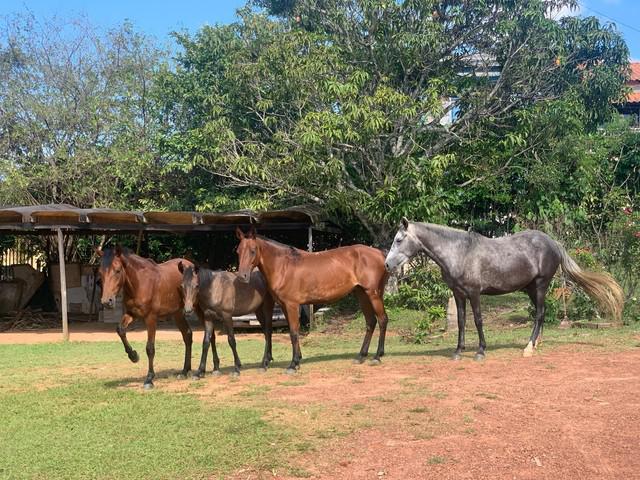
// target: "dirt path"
[[559, 415]]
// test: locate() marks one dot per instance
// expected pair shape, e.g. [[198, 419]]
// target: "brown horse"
[[295, 277], [149, 291], [223, 295]]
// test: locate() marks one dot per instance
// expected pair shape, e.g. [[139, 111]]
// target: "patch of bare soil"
[[560, 415]]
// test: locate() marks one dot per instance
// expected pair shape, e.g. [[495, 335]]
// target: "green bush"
[[422, 287]]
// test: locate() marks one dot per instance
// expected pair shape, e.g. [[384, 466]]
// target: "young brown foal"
[[149, 291], [295, 277]]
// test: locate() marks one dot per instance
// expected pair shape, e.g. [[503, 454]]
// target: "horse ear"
[[196, 269], [181, 267], [239, 234], [252, 232], [98, 251], [405, 223], [118, 250]]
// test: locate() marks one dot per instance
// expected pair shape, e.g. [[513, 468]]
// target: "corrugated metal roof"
[[67, 216]]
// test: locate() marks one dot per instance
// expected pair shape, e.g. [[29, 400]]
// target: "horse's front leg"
[[265, 317], [477, 317], [125, 321], [461, 307], [209, 336], [187, 338], [151, 322], [292, 312], [228, 323]]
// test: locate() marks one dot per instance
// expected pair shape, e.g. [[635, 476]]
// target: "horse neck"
[[132, 266], [274, 258], [446, 246]]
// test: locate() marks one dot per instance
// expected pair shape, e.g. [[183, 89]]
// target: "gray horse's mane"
[[450, 233]]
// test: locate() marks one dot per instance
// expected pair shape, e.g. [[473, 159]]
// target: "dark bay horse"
[[222, 295], [295, 277], [149, 290], [473, 265]]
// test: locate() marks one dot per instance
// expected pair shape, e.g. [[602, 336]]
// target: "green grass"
[[78, 410]]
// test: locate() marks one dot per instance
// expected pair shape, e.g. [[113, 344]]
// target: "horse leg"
[[537, 294], [151, 322], [231, 338], [477, 318], [206, 342], [125, 321], [187, 338], [381, 314], [370, 318], [461, 306], [292, 312], [265, 317]]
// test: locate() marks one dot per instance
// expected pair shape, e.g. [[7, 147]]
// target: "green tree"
[[77, 123], [340, 103]]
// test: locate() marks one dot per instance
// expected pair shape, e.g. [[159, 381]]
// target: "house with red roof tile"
[[631, 108]]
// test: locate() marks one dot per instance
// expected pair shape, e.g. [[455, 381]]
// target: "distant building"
[[631, 108]]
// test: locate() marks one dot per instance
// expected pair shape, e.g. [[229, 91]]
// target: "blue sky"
[[159, 17]]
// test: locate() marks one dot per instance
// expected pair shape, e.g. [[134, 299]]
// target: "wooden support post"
[[63, 287], [312, 322]]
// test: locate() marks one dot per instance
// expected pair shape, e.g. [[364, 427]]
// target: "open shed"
[[60, 219]]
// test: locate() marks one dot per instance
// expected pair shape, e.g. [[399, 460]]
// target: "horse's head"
[[248, 253], [190, 285], [112, 274], [405, 245]]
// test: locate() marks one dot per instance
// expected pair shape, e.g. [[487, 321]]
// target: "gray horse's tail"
[[601, 287]]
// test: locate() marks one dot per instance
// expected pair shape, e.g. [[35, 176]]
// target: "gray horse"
[[473, 265], [222, 295]]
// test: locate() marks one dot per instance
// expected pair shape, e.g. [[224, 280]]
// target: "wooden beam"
[[63, 287], [310, 249]]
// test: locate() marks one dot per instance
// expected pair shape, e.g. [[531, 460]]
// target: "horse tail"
[[601, 287]]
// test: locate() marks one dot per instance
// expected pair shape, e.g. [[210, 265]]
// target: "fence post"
[[63, 287]]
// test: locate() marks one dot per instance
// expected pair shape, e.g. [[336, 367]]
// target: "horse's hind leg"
[[228, 323], [537, 292], [122, 333], [381, 315], [187, 338], [461, 306], [477, 317], [370, 319]]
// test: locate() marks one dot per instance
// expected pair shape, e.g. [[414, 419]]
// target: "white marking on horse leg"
[[528, 351]]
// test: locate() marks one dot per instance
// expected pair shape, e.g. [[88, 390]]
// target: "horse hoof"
[[479, 357], [528, 352], [262, 369], [358, 360], [181, 376], [216, 373], [134, 357], [235, 374], [148, 386], [375, 361], [456, 356], [290, 371]]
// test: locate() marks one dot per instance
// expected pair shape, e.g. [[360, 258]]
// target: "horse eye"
[[118, 270]]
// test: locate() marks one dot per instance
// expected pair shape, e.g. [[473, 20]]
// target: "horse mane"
[[451, 233], [109, 255], [292, 251]]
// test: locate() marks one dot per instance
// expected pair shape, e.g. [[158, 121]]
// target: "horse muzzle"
[[244, 277], [109, 302]]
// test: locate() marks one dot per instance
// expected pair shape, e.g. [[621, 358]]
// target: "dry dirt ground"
[[564, 414], [570, 412]]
